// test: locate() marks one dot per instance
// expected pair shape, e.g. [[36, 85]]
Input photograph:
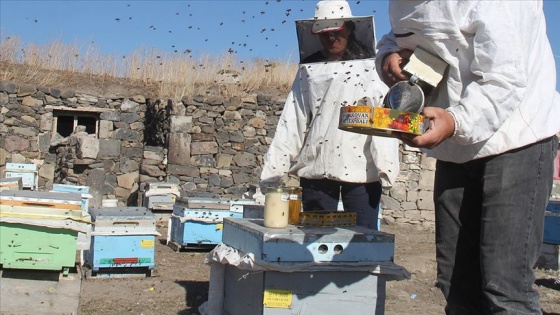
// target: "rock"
[[139, 99]]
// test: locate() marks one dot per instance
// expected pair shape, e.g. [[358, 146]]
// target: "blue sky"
[[248, 29]]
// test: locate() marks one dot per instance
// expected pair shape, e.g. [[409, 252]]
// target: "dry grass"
[[170, 75]]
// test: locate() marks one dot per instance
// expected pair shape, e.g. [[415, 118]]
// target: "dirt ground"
[[181, 281]]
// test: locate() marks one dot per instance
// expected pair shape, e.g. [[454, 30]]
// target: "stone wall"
[[210, 145]]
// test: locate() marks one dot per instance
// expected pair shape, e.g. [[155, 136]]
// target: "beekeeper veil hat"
[[330, 15]]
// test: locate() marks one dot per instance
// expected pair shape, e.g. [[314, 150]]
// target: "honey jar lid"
[[294, 189], [278, 189]]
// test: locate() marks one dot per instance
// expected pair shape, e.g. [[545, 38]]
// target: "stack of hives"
[[39, 230], [300, 269], [160, 196]]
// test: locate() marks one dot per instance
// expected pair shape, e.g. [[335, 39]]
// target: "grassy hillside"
[[145, 71]]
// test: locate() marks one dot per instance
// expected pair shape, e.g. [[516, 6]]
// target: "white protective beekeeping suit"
[[500, 84], [308, 142]]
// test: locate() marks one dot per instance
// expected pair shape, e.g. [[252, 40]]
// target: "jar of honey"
[[294, 204], [276, 207]]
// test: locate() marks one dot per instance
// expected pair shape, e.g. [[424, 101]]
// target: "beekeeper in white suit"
[[337, 69], [492, 130]]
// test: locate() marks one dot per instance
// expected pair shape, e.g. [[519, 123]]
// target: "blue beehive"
[[552, 223], [199, 221], [122, 237]]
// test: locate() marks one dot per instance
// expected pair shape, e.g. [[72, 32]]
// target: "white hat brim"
[[327, 25]]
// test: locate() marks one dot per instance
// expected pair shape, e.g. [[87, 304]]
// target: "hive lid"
[[120, 212], [204, 203]]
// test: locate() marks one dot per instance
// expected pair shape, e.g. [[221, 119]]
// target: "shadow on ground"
[[196, 294], [548, 283]]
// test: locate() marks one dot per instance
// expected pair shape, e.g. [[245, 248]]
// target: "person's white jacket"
[[308, 143], [501, 80]]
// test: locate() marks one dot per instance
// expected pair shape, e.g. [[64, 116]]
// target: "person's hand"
[[441, 127], [392, 67]]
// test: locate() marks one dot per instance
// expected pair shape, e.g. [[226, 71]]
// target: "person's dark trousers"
[[489, 229], [362, 198]]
